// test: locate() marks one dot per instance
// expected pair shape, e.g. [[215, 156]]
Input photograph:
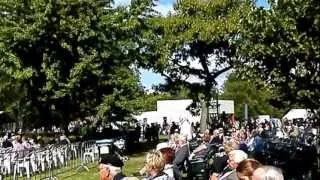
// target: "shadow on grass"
[[81, 174], [136, 150]]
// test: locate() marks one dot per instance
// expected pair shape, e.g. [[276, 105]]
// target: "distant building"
[[174, 110]]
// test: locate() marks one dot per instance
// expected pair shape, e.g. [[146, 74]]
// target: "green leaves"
[[77, 56], [282, 46], [197, 43], [253, 92]]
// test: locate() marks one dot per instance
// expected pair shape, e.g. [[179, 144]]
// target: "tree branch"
[[214, 75]]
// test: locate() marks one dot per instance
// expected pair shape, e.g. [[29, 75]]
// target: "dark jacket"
[[6, 144], [118, 176], [231, 176], [181, 157]]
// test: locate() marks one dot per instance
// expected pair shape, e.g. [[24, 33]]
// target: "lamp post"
[[215, 103]]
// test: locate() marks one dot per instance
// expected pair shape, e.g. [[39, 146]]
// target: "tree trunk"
[[204, 116]]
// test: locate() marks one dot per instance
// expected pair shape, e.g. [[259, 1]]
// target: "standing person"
[[157, 131], [173, 128], [25, 143], [165, 126], [181, 157], [148, 133], [137, 132], [153, 132], [17, 144], [186, 128]]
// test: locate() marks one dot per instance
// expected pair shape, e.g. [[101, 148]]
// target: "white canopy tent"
[[175, 110], [296, 114]]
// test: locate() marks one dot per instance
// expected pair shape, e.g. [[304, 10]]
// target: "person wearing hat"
[[110, 168], [168, 155]]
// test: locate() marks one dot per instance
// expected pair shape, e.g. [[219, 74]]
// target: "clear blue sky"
[[148, 78]]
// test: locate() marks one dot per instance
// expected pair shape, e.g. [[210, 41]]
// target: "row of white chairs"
[[30, 162]]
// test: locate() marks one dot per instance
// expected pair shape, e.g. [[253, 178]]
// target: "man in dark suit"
[[181, 157]]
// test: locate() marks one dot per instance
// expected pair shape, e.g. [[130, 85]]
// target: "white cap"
[[162, 146], [239, 155]]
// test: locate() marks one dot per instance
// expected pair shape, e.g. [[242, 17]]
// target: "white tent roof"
[[296, 114]]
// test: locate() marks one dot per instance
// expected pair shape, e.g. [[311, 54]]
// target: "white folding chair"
[[89, 154], [21, 164]]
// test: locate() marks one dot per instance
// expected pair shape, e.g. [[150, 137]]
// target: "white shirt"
[[186, 130], [168, 170]]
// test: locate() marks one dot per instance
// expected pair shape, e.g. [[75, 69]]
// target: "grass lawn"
[[131, 167]]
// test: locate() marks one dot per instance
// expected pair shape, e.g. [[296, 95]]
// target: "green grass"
[[134, 164], [92, 174], [131, 167]]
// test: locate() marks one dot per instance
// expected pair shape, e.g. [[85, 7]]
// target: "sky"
[[148, 78]]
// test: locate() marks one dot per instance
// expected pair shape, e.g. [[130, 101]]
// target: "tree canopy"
[[72, 58], [281, 46], [255, 93], [196, 45]]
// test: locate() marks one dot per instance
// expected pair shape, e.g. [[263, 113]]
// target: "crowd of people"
[[22, 142], [19, 143], [238, 152], [226, 153]]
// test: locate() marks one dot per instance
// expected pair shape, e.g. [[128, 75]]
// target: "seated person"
[[168, 155], [267, 172], [110, 168], [181, 157], [217, 137], [206, 138], [220, 160], [153, 168], [230, 173], [246, 168]]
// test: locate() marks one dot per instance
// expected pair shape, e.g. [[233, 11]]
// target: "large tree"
[[73, 58], [253, 92], [281, 45], [197, 45]]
